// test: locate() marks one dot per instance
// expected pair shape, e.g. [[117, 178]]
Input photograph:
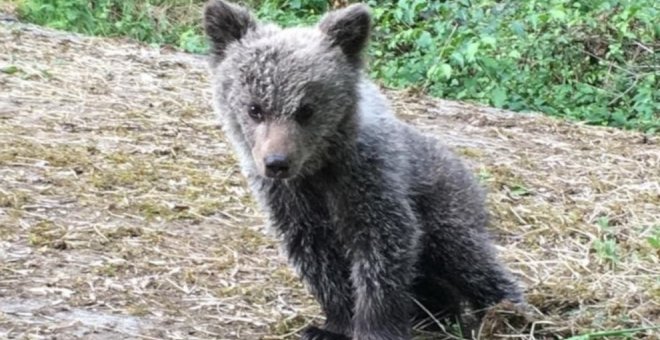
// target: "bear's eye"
[[255, 112], [304, 113]]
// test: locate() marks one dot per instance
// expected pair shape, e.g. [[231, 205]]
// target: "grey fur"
[[373, 212]]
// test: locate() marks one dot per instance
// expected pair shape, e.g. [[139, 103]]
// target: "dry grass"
[[123, 215]]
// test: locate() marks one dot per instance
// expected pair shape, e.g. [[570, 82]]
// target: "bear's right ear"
[[225, 23]]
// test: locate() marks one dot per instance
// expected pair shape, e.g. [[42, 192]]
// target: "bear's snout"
[[276, 150], [277, 166]]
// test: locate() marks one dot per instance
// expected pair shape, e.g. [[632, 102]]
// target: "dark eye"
[[255, 112], [304, 113]]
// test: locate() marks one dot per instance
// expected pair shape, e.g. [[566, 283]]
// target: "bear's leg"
[[384, 252], [436, 301], [464, 257], [316, 333], [325, 272]]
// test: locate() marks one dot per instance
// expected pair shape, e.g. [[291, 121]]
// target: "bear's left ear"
[[349, 29], [225, 23]]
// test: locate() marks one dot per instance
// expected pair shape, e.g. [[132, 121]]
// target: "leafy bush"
[[595, 61], [588, 60]]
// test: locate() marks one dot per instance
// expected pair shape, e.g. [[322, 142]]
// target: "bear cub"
[[383, 224]]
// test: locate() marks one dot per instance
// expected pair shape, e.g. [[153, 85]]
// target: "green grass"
[[161, 22], [596, 61], [624, 333]]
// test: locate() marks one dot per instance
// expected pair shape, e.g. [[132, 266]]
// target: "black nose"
[[276, 165]]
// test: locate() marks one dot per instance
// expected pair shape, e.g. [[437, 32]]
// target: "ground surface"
[[123, 215]]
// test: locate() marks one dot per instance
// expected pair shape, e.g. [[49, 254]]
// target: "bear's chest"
[[306, 209]]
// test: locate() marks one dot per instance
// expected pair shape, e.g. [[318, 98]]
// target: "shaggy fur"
[[370, 212]]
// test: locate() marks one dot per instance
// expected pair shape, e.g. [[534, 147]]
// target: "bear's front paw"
[[315, 333]]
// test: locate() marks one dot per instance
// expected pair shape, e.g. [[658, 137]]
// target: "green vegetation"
[[627, 333], [171, 22], [596, 61], [607, 248]]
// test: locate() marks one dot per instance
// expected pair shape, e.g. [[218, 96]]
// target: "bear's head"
[[286, 95]]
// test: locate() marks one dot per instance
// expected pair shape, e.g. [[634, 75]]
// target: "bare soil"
[[123, 214]]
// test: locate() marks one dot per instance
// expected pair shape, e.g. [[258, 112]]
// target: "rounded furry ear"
[[225, 23], [349, 29]]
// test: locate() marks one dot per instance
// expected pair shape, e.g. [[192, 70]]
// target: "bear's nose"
[[277, 166]]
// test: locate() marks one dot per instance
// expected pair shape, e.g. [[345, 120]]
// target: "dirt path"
[[123, 215]]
